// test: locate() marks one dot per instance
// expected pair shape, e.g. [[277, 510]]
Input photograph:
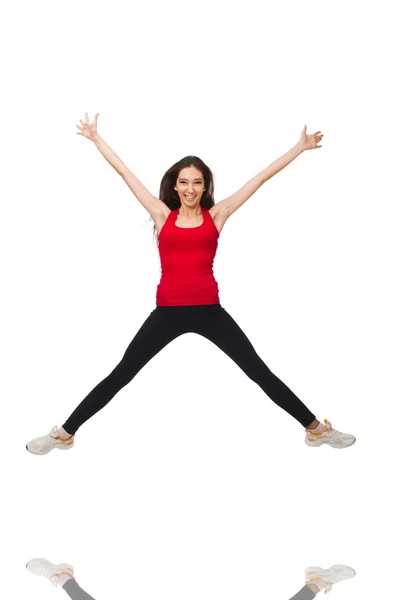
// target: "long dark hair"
[[170, 196]]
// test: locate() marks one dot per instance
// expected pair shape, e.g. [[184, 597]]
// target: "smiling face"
[[190, 186]]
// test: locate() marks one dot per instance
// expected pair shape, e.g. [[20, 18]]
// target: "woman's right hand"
[[88, 130]]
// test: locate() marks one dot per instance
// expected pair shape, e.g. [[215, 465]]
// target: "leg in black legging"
[[73, 590], [157, 331], [223, 331], [304, 594]]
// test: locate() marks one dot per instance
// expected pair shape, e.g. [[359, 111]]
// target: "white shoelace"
[[335, 433], [45, 440]]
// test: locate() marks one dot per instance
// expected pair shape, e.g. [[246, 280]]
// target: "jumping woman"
[[188, 224]]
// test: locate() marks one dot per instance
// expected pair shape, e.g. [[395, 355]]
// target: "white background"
[[191, 483]]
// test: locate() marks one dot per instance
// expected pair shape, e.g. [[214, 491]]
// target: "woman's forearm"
[[281, 162], [150, 202], [110, 155], [233, 202]]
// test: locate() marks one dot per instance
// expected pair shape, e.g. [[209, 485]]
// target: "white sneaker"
[[43, 445], [42, 566], [331, 436], [330, 576]]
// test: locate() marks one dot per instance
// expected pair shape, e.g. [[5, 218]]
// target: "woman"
[[317, 579], [188, 225]]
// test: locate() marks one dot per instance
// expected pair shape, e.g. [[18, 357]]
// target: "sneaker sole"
[[63, 447], [322, 442]]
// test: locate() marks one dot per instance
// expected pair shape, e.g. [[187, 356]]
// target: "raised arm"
[[152, 204], [307, 142]]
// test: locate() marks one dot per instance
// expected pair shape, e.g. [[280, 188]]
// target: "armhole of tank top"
[[165, 222], [213, 222]]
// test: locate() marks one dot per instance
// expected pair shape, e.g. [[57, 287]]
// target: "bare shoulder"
[[164, 210], [160, 216], [219, 215], [220, 208]]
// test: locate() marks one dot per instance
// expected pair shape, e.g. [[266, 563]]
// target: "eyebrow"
[[195, 179]]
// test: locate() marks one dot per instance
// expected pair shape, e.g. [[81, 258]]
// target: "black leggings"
[[164, 324], [75, 592]]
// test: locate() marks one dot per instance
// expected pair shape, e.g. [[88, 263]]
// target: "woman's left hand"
[[310, 141]]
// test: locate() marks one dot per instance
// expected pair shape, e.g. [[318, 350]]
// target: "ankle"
[[63, 578], [63, 434], [316, 584], [320, 428]]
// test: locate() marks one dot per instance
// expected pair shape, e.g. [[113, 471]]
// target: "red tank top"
[[187, 256]]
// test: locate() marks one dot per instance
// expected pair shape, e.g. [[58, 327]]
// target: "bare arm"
[[152, 204], [232, 203]]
